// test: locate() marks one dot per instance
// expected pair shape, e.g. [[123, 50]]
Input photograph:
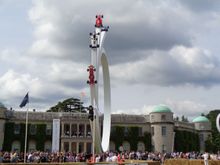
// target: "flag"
[[24, 101]]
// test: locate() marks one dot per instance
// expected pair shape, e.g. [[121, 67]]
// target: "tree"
[[209, 144], [68, 105], [213, 142], [184, 119], [186, 141], [176, 118]]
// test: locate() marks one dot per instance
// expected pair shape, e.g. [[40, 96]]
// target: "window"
[[89, 147], [48, 129], [17, 128], [33, 129], [140, 133], [125, 131], [81, 147], [113, 129], [152, 117], [66, 129], [66, 146], [140, 146], [112, 146], [163, 131], [88, 131], [74, 130], [163, 148], [81, 130], [201, 137], [152, 131], [126, 146], [73, 148], [47, 146], [201, 126], [163, 117], [16, 146], [32, 145]]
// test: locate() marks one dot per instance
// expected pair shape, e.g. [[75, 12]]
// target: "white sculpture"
[[99, 58]]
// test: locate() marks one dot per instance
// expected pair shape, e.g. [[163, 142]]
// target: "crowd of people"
[[42, 157]]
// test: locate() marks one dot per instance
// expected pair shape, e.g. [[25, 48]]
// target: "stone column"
[[62, 145], [85, 130], [77, 126], [77, 147], [70, 129], [62, 134]]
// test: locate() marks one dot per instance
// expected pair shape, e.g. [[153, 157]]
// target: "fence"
[[189, 162]]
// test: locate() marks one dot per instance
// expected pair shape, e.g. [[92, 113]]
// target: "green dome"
[[200, 119], [161, 108]]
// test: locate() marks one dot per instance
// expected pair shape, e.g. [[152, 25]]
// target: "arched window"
[[112, 146], [32, 145], [141, 146], [33, 129], [47, 146], [48, 129], [17, 128], [126, 146], [16, 146]]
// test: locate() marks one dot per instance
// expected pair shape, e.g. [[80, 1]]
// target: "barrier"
[[189, 162]]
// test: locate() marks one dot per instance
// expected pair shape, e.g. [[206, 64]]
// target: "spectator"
[[206, 158]]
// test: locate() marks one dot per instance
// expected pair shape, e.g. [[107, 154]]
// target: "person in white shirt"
[[114, 158], [206, 158]]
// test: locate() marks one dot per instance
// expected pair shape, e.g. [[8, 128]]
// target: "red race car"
[[91, 69], [98, 22]]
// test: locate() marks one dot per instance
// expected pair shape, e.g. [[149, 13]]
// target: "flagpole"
[[26, 132], [79, 104]]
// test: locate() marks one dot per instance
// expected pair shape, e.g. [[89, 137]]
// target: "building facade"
[[157, 131]]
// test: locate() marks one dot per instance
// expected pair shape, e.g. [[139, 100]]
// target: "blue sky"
[[159, 53]]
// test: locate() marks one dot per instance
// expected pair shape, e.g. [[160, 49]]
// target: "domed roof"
[[161, 108], [200, 119]]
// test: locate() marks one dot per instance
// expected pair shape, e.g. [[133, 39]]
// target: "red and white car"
[[98, 22], [91, 69]]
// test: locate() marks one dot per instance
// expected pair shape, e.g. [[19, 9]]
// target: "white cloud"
[[44, 48], [188, 108], [146, 109], [194, 57], [13, 84], [179, 66]]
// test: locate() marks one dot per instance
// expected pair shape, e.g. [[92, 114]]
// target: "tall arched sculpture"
[[218, 122], [99, 58]]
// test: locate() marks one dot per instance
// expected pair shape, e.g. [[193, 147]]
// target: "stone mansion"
[[157, 131]]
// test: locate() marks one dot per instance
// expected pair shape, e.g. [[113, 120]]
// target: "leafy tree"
[[132, 136], [209, 144], [68, 105], [214, 141], [186, 141], [184, 119], [176, 118]]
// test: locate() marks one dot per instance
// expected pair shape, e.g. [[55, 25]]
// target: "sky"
[[159, 52]]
